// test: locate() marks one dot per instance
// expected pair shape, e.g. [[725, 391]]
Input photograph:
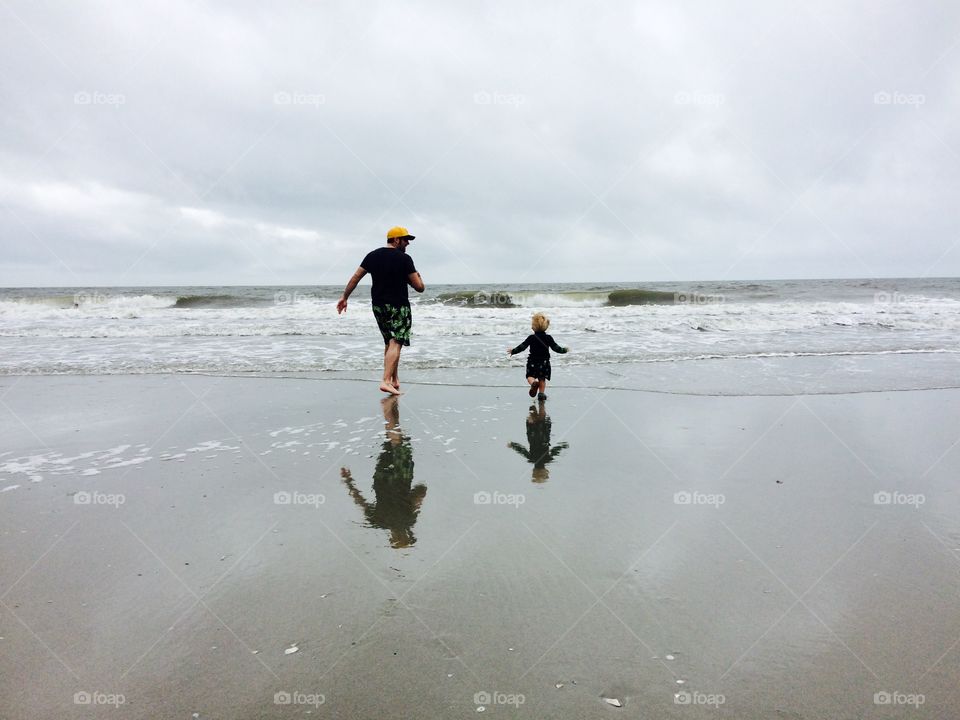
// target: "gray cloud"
[[239, 143]]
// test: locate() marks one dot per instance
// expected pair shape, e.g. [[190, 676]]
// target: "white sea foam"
[[264, 330]]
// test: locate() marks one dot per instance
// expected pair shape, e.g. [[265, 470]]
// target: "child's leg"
[[543, 386], [534, 384]]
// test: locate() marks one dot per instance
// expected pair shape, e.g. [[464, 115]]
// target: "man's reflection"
[[538, 437], [397, 504]]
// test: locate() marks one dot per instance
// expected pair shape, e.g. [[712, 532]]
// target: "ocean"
[[235, 330]]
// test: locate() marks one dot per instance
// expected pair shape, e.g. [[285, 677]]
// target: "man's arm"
[[351, 286], [354, 493], [416, 282]]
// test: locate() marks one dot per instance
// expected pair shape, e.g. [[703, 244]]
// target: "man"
[[392, 270]]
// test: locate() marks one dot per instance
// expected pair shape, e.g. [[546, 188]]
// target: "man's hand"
[[351, 286]]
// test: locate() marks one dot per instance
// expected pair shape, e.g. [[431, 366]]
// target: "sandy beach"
[[221, 547]]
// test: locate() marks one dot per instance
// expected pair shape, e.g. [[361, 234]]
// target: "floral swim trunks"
[[394, 322]]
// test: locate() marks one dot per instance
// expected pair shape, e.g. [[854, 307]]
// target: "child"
[[538, 362]]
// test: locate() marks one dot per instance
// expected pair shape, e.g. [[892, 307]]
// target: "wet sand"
[[248, 547]]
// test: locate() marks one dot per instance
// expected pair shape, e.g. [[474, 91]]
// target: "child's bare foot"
[[534, 386], [388, 388]]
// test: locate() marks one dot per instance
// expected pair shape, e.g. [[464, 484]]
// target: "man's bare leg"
[[391, 361], [395, 380]]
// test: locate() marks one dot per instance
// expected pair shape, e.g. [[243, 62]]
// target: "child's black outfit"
[[538, 362]]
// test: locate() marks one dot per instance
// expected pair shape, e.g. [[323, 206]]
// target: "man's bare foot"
[[388, 388]]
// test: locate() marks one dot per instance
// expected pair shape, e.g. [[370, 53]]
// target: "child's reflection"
[[538, 437], [397, 504]]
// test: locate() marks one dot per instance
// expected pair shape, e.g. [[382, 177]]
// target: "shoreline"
[[332, 377], [715, 377]]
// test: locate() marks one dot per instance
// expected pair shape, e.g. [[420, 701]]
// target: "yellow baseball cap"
[[398, 232]]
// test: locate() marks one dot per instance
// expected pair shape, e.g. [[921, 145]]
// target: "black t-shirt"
[[389, 268], [540, 344]]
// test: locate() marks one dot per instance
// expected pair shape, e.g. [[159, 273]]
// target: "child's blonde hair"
[[540, 322]]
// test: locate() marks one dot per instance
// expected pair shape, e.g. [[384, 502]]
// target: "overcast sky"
[[237, 143]]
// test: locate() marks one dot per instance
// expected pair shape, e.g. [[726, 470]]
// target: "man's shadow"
[[397, 499], [540, 453]]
